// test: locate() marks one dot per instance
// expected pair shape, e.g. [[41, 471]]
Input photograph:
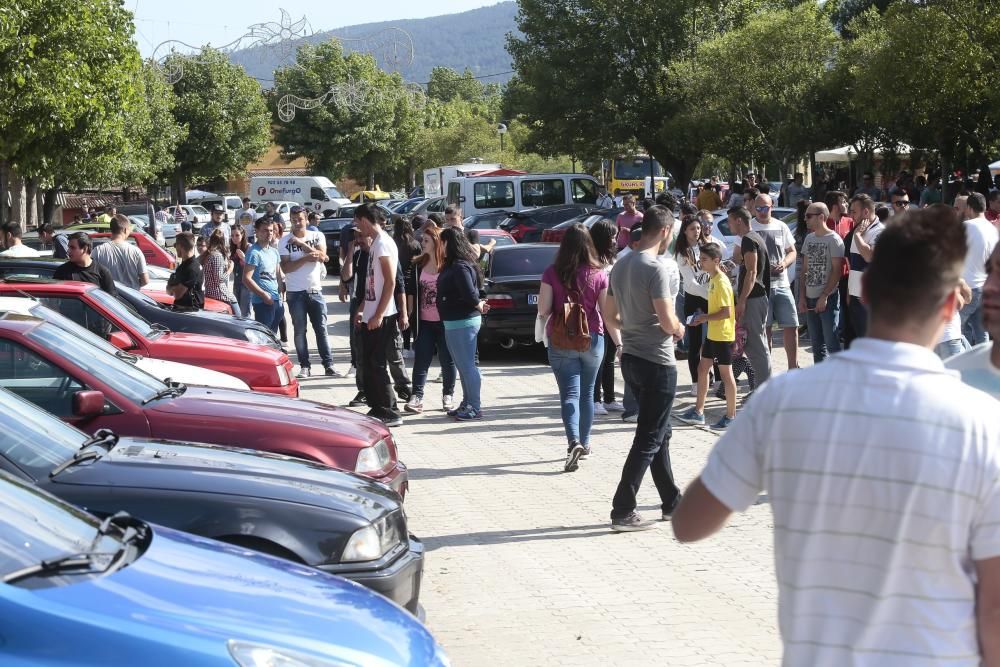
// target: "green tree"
[[224, 120], [367, 120]]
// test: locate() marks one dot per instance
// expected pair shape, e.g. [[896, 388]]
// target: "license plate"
[[532, 299]]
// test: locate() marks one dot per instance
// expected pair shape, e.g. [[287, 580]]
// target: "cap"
[[218, 208], [296, 209]]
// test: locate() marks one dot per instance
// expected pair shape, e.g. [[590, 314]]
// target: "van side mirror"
[[88, 403]]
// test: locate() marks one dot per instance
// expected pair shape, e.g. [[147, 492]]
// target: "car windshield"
[[523, 261], [35, 526], [136, 295], [125, 378], [71, 327], [123, 312], [158, 273], [32, 439]]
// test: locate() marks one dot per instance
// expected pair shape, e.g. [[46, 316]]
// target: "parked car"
[[322, 517], [556, 234], [264, 369], [170, 231], [347, 211], [196, 215], [44, 267], [166, 371], [500, 236], [280, 207], [151, 250], [331, 228], [406, 206], [94, 390], [527, 226], [431, 205], [93, 592], [513, 279], [490, 220]]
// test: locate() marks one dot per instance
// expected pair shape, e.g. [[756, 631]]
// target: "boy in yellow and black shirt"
[[721, 320]]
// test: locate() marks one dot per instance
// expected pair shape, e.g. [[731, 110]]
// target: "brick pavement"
[[522, 568]]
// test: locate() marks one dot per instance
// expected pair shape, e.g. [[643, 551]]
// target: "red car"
[[502, 238], [556, 234], [165, 299], [94, 389], [263, 368], [151, 250]]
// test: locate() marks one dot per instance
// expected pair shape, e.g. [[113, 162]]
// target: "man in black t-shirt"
[[752, 292], [81, 267], [185, 284]]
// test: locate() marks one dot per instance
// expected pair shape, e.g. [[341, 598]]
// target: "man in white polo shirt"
[[886, 498], [980, 366], [982, 238]]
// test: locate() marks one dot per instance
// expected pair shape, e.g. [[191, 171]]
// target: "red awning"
[[499, 172]]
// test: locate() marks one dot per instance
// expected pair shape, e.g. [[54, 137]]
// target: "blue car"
[[78, 590]]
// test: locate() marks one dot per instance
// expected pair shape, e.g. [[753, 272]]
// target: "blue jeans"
[[950, 348], [462, 345], [430, 336], [242, 295], [972, 319], [654, 387], [312, 305], [269, 315], [823, 327], [237, 311], [575, 374]]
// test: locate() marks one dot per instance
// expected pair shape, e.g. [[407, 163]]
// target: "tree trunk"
[[49, 206], [18, 210], [4, 192], [371, 179], [180, 189], [31, 203]]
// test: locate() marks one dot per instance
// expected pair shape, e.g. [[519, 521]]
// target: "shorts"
[[782, 308], [718, 350]]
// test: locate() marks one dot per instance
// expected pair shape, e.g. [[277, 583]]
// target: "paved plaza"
[[522, 568]]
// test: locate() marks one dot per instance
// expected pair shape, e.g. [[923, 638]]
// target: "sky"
[[218, 22]]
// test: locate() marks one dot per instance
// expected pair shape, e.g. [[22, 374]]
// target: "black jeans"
[[654, 387], [377, 347], [605, 385]]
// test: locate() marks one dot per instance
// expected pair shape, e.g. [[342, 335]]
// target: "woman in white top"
[[695, 283]]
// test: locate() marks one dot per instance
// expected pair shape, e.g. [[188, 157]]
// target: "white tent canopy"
[[995, 168], [847, 153]]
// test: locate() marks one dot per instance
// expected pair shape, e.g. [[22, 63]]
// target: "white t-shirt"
[[309, 276], [883, 474], [382, 246], [19, 250], [952, 330], [982, 238], [857, 262], [777, 238], [977, 368]]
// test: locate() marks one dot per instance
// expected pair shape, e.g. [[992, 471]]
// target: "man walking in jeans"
[[303, 254], [752, 293], [644, 286], [377, 316]]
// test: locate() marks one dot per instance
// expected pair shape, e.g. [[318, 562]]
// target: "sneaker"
[[468, 414], [614, 406], [631, 419], [454, 411], [303, 373], [722, 424], [391, 420], [692, 417], [586, 452], [599, 409], [669, 514], [414, 405], [358, 400], [330, 371], [573, 457], [351, 372], [447, 402], [630, 523]]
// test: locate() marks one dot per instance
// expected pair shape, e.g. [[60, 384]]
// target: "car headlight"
[[374, 541], [374, 458], [258, 337], [283, 378], [246, 654]]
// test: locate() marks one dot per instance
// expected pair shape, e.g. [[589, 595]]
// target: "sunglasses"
[[900, 203], [763, 209]]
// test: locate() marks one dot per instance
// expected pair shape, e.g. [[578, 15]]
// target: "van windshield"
[[333, 193]]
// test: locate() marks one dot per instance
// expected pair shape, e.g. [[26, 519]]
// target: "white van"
[[316, 193], [436, 180], [480, 194]]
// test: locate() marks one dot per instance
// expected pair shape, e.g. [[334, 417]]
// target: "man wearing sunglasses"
[[781, 254], [900, 201]]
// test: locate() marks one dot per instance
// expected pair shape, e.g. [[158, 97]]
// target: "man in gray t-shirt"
[[123, 260], [644, 286], [822, 268]]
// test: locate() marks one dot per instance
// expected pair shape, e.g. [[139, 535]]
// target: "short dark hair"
[[82, 241], [451, 210], [657, 218], [897, 191], [882, 212], [765, 188], [437, 218], [994, 195], [13, 228], [666, 199], [917, 261], [120, 224], [835, 198], [740, 212], [976, 202], [370, 212], [711, 250], [47, 228], [263, 220], [865, 201], [185, 241]]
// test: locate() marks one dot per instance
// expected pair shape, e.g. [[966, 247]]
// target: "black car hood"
[[185, 467]]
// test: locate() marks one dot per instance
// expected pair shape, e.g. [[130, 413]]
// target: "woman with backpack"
[[574, 292]]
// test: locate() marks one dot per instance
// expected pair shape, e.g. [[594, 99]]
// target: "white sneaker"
[[351, 372], [614, 406], [599, 409], [414, 405], [447, 402]]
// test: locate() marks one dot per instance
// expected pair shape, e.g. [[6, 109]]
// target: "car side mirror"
[[122, 340], [88, 403]]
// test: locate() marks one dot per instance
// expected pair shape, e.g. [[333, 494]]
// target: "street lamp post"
[[501, 130]]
